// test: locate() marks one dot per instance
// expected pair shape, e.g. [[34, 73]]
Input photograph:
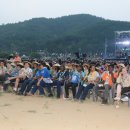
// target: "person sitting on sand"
[[92, 79], [108, 79], [19, 78], [3, 70], [31, 80], [74, 81], [59, 80], [123, 84], [43, 81], [29, 74]]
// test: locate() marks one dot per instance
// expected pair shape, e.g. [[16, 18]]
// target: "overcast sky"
[[19, 10]]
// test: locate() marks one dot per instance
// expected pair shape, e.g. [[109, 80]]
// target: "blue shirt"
[[75, 77], [15, 73], [61, 76], [45, 73], [37, 74]]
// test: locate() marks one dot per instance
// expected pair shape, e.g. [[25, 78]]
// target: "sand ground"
[[41, 113]]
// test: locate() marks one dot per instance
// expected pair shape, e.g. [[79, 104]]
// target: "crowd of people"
[[67, 78]]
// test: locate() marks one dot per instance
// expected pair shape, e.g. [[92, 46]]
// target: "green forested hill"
[[64, 33]]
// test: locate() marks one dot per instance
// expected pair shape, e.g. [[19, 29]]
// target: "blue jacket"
[[75, 77]]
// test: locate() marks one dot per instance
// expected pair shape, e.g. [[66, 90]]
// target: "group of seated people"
[[29, 77]]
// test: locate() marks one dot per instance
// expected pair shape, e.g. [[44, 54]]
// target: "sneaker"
[[125, 99], [15, 89], [117, 98]]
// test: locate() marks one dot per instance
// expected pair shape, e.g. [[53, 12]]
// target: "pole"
[[105, 48], [116, 43]]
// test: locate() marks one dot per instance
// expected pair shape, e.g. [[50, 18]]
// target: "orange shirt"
[[108, 78]]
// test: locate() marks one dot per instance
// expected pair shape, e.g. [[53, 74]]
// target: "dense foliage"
[[68, 33]]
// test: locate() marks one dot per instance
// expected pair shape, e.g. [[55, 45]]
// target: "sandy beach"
[[41, 113]]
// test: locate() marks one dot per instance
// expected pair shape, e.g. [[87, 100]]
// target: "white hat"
[[20, 64], [9, 61], [13, 64], [56, 65], [35, 62], [122, 65], [47, 64]]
